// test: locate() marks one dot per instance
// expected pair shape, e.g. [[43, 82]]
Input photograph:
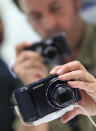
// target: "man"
[[48, 18]]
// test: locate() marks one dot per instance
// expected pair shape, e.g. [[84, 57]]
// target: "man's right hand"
[[29, 65], [84, 81]]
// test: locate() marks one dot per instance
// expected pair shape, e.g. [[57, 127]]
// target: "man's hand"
[[82, 80], [29, 65]]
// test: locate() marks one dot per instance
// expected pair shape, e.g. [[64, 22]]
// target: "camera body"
[[53, 49], [44, 97]]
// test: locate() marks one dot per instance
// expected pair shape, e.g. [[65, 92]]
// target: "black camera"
[[53, 49], [44, 97]]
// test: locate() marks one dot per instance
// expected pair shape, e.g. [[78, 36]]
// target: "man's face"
[[51, 16], [1, 31]]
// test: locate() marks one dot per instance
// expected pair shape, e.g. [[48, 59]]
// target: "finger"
[[33, 78], [31, 75], [30, 63], [55, 69], [89, 87], [19, 47], [79, 74], [36, 73], [70, 115], [83, 75], [25, 55], [75, 65]]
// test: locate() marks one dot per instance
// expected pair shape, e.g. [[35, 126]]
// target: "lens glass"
[[50, 52], [64, 97], [59, 94]]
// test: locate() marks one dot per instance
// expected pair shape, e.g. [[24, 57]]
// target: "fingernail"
[[59, 71], [62, 121], [52, 71], [62, 77], [70, 82]]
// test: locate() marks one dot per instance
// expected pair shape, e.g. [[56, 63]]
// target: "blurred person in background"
[[48, 18], [7, 85], [8, 82]]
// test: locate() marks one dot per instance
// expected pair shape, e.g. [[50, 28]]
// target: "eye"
[[56, 9], [35, 16]]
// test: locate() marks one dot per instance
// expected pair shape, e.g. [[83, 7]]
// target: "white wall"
[[17, 29]]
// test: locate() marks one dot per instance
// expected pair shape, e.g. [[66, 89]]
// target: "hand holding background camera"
[[29, 64], [31, 59], [53, 49], [82, 80]]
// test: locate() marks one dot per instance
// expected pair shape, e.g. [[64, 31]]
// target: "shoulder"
[[87, 54]]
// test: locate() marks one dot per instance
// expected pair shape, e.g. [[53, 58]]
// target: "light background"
[[17, 29]]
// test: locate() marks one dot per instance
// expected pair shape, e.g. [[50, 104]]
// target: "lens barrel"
[[59, 94]]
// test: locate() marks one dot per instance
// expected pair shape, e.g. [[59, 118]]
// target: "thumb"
[[20, 46], [70, 115]]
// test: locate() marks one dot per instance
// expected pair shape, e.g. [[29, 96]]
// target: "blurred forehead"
[[37, 5]]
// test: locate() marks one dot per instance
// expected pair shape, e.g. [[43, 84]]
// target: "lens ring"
[[50, 90], [56, 94], [55, 82], [50, 52]]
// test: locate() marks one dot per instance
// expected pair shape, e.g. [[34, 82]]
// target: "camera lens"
[[50, 52], [62, 96], [59, 94]]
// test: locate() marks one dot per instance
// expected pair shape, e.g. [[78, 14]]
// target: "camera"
[[53, 49], [45, 100]]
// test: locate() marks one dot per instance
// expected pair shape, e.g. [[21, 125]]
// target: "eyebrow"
[[52, 4]]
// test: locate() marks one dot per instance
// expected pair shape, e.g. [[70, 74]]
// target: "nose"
[[48, 22]]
